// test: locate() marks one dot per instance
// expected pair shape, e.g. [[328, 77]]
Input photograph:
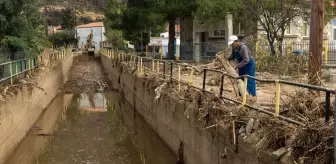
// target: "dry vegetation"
[[311, 143]]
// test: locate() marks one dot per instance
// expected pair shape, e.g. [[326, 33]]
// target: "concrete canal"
[[91, 128], [92, 110]]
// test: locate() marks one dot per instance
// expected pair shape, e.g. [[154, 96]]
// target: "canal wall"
[[34, 143], [19, 112], [167, 119], [143, 137]]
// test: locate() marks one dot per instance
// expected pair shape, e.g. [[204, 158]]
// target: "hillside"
[[87, 11]]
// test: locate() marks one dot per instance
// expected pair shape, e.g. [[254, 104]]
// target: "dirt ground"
[[265, 91], [86, 75]]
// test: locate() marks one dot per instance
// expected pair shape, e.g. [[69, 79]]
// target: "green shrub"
[[289, 65]]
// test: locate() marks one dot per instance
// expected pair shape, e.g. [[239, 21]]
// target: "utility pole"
[[316, 42]]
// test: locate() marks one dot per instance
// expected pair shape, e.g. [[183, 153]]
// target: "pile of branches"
[[313, 142], [305, 106], [29, 81]]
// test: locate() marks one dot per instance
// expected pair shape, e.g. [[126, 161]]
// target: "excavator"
[[89, 47]]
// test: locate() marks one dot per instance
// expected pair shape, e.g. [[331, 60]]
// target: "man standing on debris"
[[246, 64]]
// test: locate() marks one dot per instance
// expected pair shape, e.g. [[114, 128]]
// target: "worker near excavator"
[[89, 39], [245, 62]]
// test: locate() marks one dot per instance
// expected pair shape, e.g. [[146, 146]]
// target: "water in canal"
[[91, 129]]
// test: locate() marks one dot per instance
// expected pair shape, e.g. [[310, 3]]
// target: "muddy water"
[[91, 129]]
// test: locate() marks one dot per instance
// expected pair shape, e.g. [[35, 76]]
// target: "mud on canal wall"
[[19, 112], [167, 118]]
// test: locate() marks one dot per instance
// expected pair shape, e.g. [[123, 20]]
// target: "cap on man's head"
[[232, 38]]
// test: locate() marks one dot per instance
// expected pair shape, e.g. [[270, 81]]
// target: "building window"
[[305, 29], [216, 33], [219, 33], [222, 32], [334, 34], [288, 29]]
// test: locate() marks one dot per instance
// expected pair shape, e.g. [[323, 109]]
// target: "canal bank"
[[83, 126], [167, 115], [20, 110]]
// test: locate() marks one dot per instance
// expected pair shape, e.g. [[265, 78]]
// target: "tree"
[[68, 19], [316, 42], [171, 10], [113, 18], [135, 19], [273, 16], [63, 38], [141, 18], [21, 27]]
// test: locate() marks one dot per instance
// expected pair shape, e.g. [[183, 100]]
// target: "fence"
[[10, 70], [165, 70], [205, 51], [150, 64]]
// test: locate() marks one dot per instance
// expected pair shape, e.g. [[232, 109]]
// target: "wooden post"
[[316, 42]]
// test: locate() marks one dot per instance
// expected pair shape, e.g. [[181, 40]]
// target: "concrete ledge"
[[19, 113], [167, 119]]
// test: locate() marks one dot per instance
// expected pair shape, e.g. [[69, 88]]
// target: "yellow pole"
[[326, 47], [28, 64], [153, 65], [16, 68], [32, 63], [191, 76], [158, 66], [277, 98], [179, 78], [161, 52], [244, 92], [11, 73], [138, 66], [141, 69]]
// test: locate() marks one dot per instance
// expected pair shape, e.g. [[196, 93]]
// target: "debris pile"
[[86, 75], [311, 143], [29, 82]]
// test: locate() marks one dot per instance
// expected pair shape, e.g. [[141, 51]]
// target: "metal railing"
[[10, 70], [152, 65], [205, 51]]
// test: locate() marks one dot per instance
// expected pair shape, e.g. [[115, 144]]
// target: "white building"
[[82, 31], [199, 41], [156, 43]]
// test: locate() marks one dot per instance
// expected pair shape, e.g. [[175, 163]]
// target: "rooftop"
[[94, 24]]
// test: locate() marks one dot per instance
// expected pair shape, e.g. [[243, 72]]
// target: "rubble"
[[86, 75], [273, 134]]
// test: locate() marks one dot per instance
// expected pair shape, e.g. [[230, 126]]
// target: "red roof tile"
[[94, 24]]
